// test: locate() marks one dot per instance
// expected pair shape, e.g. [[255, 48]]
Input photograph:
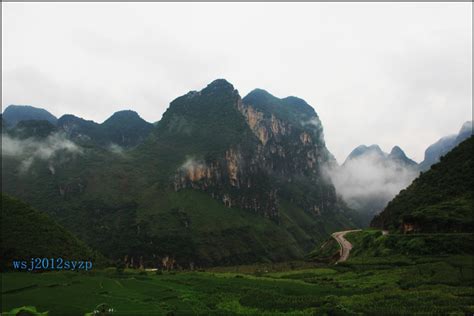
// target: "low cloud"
[[116, 149], [29, 150], [368, 182], [315, 123], [190, 165]]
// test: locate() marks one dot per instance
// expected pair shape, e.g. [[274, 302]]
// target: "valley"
[[367, 283], [344, 245], [239, 158], [229, 206]]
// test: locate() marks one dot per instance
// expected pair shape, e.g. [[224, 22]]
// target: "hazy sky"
[[384, 73]]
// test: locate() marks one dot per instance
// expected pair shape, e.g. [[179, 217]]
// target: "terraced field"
[[361, 285]]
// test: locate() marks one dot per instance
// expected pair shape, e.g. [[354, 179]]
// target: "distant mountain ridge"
[[398, 155], [218, 180], [439, 200], [370, 177], [395, 155], [16, 113], [124, 128], [445, 144], [216, 173]]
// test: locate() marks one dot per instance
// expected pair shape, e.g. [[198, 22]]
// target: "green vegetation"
[[123, 128], [327, 252], [366, 284], [16, 113], [25, 311], [372, 243], [127, 203], [202, 125], [32, 128], [28, 233], [290, 109], [439, 200]]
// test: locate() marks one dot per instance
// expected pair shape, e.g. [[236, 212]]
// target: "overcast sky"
[[376, 73]]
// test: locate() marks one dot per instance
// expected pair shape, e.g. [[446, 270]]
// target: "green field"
[[392, 284]]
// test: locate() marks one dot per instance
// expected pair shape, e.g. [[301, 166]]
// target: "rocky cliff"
[[219, 180], [281, 150]]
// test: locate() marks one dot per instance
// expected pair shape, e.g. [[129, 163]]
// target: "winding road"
[[346, 246]]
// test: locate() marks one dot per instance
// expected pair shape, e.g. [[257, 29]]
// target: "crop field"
[[363, 285]]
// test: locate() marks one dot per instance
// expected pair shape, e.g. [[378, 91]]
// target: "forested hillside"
[[439, 200]]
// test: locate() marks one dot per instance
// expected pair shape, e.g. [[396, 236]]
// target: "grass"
[[363, 285], [380, 278]]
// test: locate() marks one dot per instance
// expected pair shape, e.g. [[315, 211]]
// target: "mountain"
[[16, 113], [363, 151], [79, 129], [397, 155], [28, 233], [33, 129], [465, 132], [439, 200], [126, 128], [369, 178], [218, 180], [268, 149], [4, 125], [440, 148], [123, 128]]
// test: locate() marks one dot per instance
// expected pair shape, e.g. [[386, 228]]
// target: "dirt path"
[[346, 246]]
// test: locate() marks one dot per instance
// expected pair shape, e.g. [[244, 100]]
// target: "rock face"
[[218, 180], [281, 150]]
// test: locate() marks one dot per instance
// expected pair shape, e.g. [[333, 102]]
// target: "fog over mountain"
[[30, 150], [445, 144], [197, 186], [369, 178], [368, 84]]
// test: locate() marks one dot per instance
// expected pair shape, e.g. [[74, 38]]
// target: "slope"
[[216, 182], [28, 233], [439, 200], [440, 148], [17, 113]]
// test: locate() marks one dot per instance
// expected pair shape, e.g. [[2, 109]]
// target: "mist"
[[116, 149], [191, 165], [31, 149], [368, 182]]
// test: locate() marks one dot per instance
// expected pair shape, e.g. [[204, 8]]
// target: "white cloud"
[[385, 73], [116, 149], [370, 180], [28, 150]]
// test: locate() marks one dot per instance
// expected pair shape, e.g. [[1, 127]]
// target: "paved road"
[[346, 246]]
